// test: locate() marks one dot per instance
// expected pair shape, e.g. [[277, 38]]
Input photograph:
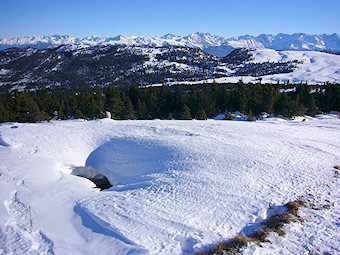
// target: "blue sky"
[[157, 17]]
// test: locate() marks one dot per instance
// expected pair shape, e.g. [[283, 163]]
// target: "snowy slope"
[[102, 66], [145, 65], [179, 186], [313, 67]]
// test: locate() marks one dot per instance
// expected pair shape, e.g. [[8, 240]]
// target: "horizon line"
[[159, 36]]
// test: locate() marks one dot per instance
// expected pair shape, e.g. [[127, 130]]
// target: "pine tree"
[[312, 109], [43, 98], [185, 113], [256, 99], [152, 104], [330, 98], [250, 115], [194, 101], [61, 109], [129, 112], [170, 117], [243, 97], [178, 102], [228, 116], [100, 101], [134, 94], [164, 101], [114, 103], [93, 110], [223, 100], [28, 109], [142, 111], [270, 96], [201, 115], [45, 116], [297, 107], [4, 113], [78, 114], [282, 105]]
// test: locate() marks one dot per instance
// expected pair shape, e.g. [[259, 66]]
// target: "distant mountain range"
[[212, 44]]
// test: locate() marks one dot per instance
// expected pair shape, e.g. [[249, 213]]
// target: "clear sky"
[[157, 17]]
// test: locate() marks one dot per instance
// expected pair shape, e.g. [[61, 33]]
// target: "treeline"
[[164, 102]]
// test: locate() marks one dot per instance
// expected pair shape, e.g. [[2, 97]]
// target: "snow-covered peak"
[[33, 40], [203, 40], [196, 40], [168, 36], [213, 44]]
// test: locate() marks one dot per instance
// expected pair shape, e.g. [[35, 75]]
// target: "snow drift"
[[125, 161], [180, 186]]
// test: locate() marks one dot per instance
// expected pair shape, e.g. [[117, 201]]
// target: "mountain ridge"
[[121, 65], [212, 44]]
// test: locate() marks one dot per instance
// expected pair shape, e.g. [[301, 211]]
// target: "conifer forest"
[[170, 102]]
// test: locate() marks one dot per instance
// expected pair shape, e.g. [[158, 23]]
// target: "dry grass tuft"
[[231, 247], [273, 224], [276, 223], [327, 207], [293, 207], [336, 171]]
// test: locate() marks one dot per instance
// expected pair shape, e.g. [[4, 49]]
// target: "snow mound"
[[127, 161], [3, 143]]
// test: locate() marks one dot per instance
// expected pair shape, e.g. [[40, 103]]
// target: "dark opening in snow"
[[88, 172], [101, 182]]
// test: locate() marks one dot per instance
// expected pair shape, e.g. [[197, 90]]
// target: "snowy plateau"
[[179, 187], [312, 67]]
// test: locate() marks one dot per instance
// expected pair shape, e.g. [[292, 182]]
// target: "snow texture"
[[179, 186]]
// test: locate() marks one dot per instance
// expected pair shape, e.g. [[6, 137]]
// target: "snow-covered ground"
[[179, 186], [313, 67]]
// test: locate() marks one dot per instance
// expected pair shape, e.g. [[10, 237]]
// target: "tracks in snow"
[[19, 236]]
